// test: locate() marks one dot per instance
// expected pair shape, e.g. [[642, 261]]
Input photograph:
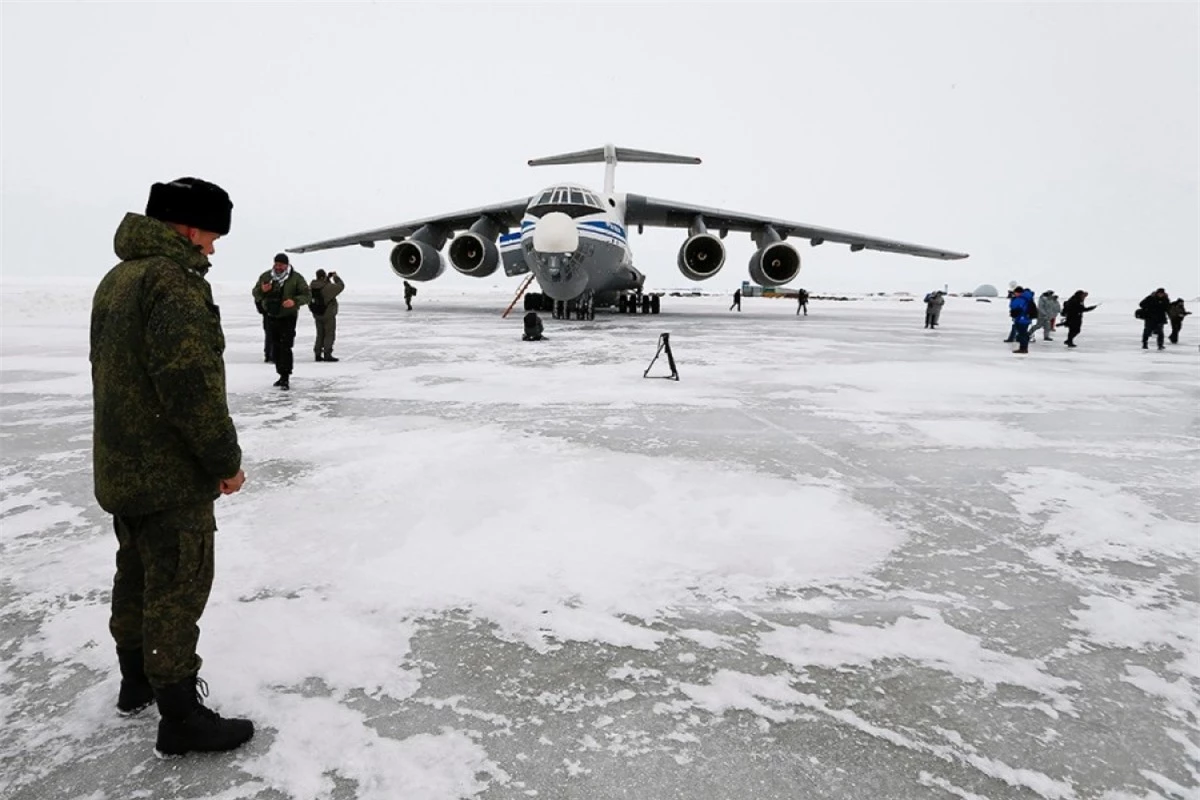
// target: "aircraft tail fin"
[[602, 154], [610, 155]]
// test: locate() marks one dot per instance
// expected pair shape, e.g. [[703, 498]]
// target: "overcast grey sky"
[[1056, 143]]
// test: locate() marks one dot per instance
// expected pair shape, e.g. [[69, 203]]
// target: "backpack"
[[317, 303], [1139, 314]]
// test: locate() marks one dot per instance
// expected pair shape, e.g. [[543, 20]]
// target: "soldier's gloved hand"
[[231, 485]]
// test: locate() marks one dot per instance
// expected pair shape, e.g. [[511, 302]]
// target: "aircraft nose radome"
[[555, 233]]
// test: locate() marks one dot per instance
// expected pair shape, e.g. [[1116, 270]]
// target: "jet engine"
[[775, 262], [416, 261], [475, 253], [702, 255], [774, 265], [417, 258]]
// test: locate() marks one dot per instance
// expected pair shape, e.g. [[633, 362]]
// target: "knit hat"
[[281, 258], [191, 202]]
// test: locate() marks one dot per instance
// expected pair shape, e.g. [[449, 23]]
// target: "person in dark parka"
[[1073, 311], [282, 291], [1154, 316], [802, 302], [533, 328], [1175, 314]]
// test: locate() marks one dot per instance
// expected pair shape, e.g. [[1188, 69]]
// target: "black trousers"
[[282, 331], [268, 354], [1176, 324], [1152, 329], [1073, 329]]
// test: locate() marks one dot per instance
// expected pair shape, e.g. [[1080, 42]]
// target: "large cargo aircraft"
[[575, 241]]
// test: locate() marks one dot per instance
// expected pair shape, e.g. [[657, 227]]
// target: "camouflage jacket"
[[294, 288], [327, 289], [162, 435]]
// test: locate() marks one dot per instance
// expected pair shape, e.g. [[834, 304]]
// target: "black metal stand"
[[664, 343]]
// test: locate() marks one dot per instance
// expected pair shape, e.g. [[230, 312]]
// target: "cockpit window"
[[573, 201]]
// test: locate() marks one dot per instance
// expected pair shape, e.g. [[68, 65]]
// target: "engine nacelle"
[[473, 255], [701, 257], [774, 265], [416, 261]]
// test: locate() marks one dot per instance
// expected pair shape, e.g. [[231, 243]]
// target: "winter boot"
[[136, 693], [331, 358], [319, 357], [188, 727]]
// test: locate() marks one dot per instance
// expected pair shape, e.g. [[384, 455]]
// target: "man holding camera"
[[324, 307], [282, 291]]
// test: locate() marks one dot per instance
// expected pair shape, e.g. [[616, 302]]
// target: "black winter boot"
[[187, 726], [136, 692]]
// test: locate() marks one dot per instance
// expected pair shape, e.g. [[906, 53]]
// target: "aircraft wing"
[[506, 215], [641, 210]]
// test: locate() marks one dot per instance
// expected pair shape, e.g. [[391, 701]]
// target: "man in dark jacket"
[[1154, 317], [802, 302], [1073, 311], [324, 306], [737, 300], [164, 448], [1175, 314], [410, 292], [282, 291]]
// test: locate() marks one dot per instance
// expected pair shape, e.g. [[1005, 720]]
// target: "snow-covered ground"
[[842, 557]]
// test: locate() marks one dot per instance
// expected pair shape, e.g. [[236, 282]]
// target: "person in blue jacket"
[[1023, 311]]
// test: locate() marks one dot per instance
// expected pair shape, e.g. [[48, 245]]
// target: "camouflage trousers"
[[326, 333], [164, 575]]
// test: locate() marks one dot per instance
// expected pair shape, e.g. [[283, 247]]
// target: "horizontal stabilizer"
[[612, 154]]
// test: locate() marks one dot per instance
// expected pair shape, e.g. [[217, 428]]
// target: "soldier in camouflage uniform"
[[164, 448], [324, 307], [282, 291]]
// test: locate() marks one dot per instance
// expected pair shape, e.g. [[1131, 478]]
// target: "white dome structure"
[[986, 290]]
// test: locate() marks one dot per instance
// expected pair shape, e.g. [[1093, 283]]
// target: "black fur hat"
[[191, 202]]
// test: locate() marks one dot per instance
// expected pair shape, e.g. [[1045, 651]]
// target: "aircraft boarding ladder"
[[520, 292]]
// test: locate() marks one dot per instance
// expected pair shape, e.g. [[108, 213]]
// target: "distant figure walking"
[[933, 308], [1154, 309], [410, 292], [1013, 291], [737, 300], [1175, 314], [1048, 309], [1073, 311], [1023, 311], [802, 302]]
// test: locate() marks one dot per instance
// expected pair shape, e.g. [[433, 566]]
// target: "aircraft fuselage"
[[574, 241]]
